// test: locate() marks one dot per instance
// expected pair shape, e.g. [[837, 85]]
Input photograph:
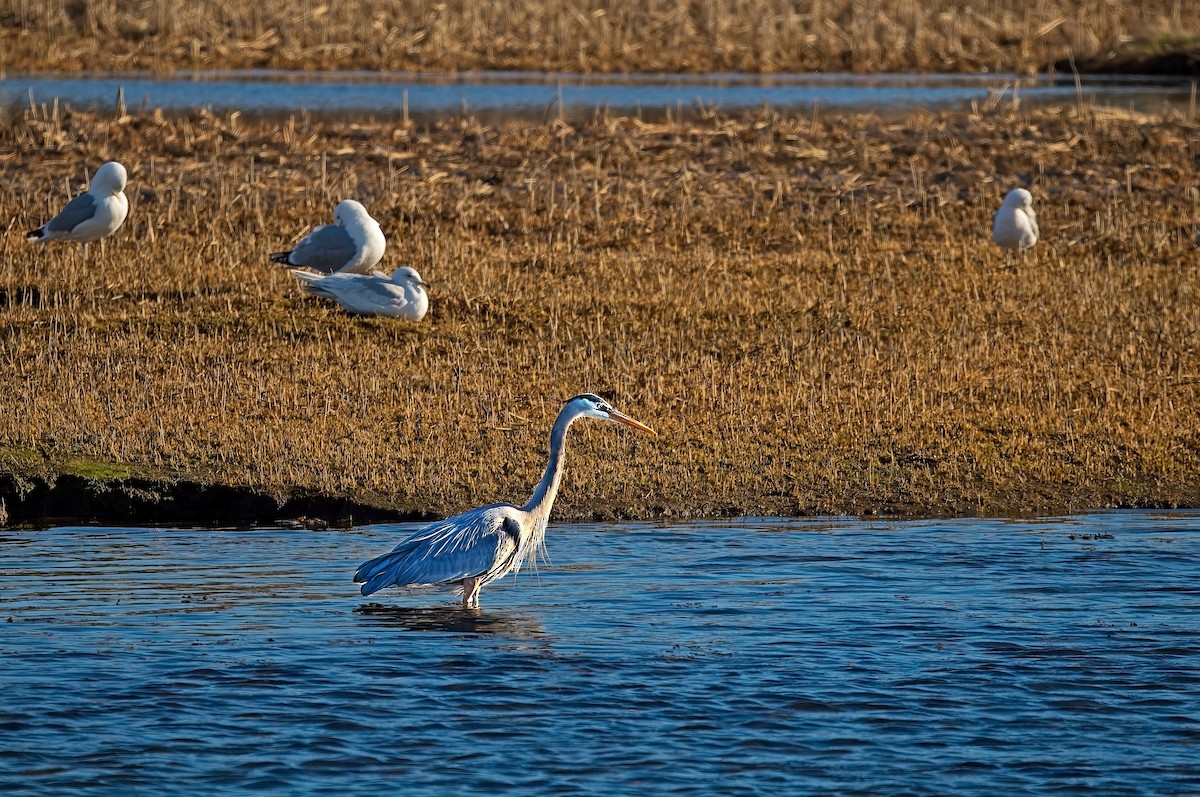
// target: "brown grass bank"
[[810, 311], [589, 35]]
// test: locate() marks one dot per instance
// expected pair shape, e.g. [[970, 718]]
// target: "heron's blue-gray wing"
[[77, 211], [465, 546], [326, 248]]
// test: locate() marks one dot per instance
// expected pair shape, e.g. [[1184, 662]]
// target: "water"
[[959, 657], [523, 93]]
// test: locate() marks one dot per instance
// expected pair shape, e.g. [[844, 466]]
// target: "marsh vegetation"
[[587, 36], [807, 308]]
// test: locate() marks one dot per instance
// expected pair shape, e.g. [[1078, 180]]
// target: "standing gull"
[[354, 243], [401, 295], [94, 214], [1015, 224]]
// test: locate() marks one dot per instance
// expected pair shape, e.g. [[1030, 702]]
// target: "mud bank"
[[69, 499]]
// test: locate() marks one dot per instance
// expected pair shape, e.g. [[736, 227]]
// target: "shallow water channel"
[[966, 657], [575, 95]]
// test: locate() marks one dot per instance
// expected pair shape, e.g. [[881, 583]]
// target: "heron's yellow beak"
[[622, 418]]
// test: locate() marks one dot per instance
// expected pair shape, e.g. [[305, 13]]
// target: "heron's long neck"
[[543, 496]]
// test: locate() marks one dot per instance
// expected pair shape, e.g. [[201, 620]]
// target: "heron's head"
[[111, 177], [589, 405], [1019, 198], [407, 275]]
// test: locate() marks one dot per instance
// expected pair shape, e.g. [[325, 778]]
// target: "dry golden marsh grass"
[[809, 310], [583, 35]]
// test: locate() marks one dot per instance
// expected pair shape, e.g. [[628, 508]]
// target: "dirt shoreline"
[[65, 499]]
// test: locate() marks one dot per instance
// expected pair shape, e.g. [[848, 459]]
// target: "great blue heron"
[[401, 295], [98, 212], [481, 545], [354, 242], [1015, 224]]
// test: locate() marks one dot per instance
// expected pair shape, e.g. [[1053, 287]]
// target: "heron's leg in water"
[[471, 593]]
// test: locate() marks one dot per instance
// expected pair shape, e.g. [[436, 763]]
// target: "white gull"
[[401, 295], [354, 243], [1015, 224], [98, 212]]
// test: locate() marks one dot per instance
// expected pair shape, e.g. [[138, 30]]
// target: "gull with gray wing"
[[98, 212], [401, 295], [353, 243]]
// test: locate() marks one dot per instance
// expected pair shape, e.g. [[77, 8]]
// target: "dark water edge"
[[1183, 62], [47, 499]]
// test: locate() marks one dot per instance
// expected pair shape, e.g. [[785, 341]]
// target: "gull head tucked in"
[[354, 243], [98, 212], [1015, 224]]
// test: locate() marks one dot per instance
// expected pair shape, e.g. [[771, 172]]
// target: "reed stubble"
[[808, 310], [582, 35]]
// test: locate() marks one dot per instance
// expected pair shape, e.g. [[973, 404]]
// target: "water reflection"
[[450, 619]]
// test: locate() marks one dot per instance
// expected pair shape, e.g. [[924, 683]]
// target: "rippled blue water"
[[961, 657], [526, 93]]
